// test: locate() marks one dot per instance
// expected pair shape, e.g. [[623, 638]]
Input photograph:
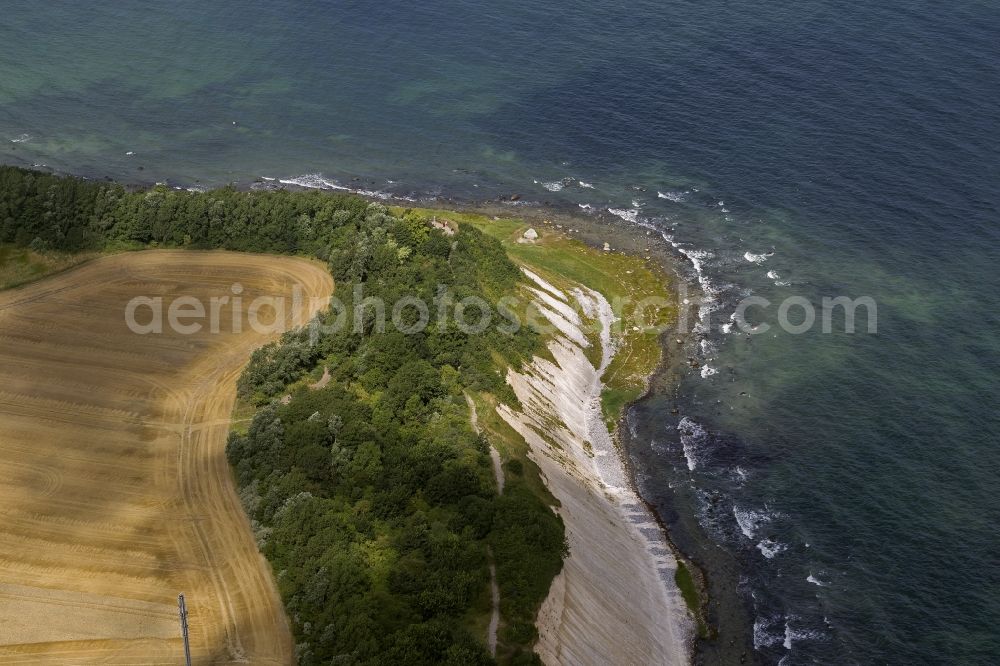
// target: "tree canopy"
[[371, 497]]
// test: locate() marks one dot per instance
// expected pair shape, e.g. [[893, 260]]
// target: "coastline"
[[589, 616], [724, 624], [602, 605], [825, 193]]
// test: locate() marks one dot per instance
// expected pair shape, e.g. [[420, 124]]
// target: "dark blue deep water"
[[809, 148]]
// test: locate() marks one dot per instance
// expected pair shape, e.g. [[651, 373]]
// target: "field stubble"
[[116, 494]]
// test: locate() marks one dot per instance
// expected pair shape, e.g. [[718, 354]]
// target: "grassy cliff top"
[[638, 289]]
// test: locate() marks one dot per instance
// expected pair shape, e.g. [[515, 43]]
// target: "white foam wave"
[[23, 138], [757, 258], [585, 206], [554, 186], [793, 635], [676, 197], [697, 259], [770, 548], [692, 435], [692, 462], [585, 185], [315, 181], [707, 371], [750, 521], [763, 634], [777, 279], [629, 215], [709, 291], [815, 581]]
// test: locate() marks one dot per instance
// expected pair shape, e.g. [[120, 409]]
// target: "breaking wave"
[[749, 521], [676, 197], [815, 581], [554, 186], [629, 215], [770, 548], [757, 258], [693, 435], [315, 181]]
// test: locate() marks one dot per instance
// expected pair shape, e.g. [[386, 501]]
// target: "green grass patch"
[[243, 412], [638, 290], [613, 401], [692, 597], [20, 265]]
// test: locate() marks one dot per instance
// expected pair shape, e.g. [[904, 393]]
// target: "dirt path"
[[117, 494], [494, 454], [323, 381], [491, 630]]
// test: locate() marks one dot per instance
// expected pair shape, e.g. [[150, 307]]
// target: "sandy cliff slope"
[[615, 600]]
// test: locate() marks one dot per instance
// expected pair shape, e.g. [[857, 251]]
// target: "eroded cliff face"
[[615, 600]]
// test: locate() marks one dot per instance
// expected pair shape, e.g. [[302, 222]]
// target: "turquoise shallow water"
[[849, 149]]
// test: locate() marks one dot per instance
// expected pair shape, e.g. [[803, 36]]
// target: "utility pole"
[[184, 628]]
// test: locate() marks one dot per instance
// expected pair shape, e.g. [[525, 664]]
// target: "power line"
[[184, 628]]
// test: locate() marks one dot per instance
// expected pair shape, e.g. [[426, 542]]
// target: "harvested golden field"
[[115, 493]]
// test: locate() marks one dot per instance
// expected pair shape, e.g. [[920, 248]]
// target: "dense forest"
[[372, 497]]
